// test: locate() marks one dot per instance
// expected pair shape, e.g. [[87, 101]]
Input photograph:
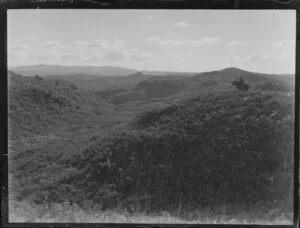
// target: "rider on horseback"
[[241, 85], [241, 81]]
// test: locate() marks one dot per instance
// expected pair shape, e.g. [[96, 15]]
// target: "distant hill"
[[144, 90], [110, 81], [54, 70], [161, 86]]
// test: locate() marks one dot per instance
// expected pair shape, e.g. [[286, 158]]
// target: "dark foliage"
[[157, 88], [207, 150], [275, 86], [125, 97], [110, 92], [209, 83]]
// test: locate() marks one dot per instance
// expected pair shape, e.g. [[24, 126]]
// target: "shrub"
[[208, 150]]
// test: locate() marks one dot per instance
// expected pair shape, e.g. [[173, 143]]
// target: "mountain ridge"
[[31, 70]]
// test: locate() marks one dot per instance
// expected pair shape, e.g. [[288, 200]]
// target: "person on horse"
[[241, 85], [241, 81]]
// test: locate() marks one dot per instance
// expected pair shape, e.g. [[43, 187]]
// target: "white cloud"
[[19, 48], [180, 58], [235, 59], [196, 43], [283, 44], [150, 18], [118, 44], [140, 56], [42, 55], [209, 41], [181, 24], [236, 43], [78, 44], [51, 44], [103, 44], [254, 58], [172, 42], [31, 38], [115, 55], [12, 59], [70, 57], [151, 40], [93, 58], [97, 44]]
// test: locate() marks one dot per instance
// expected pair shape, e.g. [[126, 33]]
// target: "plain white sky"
[[169, 40]]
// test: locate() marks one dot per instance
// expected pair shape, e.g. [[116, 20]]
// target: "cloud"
[[12, 57], [115, 55], [236, 43], [172, 42], [97, 44], [283, 44], [140, 56], [209, 41], [19, 48], [196, 43], [31, 38], [177, 57], [181, 24], [79, 44], [70, 57], [93, 58], [151, 40], [150, 18], [180, 58], [235, 59], [51, 44], [103, 44], [118, 44], [42, 55], [254, 58]]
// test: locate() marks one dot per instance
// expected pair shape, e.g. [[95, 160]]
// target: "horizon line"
[[146, 70]]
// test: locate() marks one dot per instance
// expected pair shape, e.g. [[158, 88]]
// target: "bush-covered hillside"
[[275, 85], [36, 105], [157, 88], [207, 150]]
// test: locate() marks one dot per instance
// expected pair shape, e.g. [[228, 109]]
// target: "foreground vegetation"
[[66, 213], [219, 157]]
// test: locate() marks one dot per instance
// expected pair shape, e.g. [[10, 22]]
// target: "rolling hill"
[[151, 86], [153, 152], [39, 108], [236, 149]]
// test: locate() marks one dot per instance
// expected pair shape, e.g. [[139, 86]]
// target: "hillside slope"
[[35, 104], [234, 148]]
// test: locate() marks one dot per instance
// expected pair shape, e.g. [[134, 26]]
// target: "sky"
[[165, 40]]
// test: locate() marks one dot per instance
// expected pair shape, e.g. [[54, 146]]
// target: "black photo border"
[[136, 4]]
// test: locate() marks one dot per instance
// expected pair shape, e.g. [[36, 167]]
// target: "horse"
[[240, 86]]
